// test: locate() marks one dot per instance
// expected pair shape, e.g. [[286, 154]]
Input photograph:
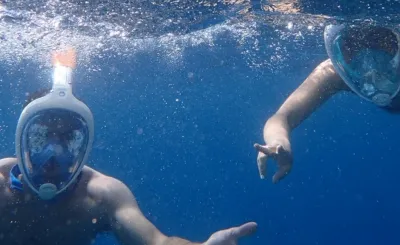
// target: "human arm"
[[131, 227], [128, 223], [318, 87]]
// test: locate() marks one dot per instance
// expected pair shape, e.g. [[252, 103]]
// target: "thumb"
[[262, 148], [243, 230]]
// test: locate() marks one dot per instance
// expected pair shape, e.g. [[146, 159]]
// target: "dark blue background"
[[180, 135], [351, 8]]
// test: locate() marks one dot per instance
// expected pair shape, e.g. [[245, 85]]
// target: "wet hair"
[[35, 95], [392, 110], [394, 107], [53, 121]]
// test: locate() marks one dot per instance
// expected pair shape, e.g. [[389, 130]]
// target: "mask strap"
[[15, 183]]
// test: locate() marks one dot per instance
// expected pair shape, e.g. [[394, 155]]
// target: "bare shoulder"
[[5, 165], [326, 70], [7, 162], [108, 189]]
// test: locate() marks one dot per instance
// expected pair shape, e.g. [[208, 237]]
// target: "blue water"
[[180, 133]]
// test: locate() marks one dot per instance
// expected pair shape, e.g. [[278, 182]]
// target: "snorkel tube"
[[62, 73], [60, 98]]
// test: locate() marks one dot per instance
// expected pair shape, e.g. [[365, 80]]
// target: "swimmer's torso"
[[24, 220]]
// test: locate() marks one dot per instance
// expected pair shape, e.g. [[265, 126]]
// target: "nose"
[[51, 165], [58, 149]]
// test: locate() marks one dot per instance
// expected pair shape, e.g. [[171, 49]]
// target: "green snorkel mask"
[[367, 58]]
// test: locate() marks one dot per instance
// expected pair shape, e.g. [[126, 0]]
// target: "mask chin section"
[[47, 191], [381, 83], [381, 99]]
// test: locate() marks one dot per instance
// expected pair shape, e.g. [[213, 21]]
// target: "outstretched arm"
[[319, 86], [128, 223], [132, 228]]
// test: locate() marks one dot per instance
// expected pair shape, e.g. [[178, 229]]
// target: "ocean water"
[[180, 91]]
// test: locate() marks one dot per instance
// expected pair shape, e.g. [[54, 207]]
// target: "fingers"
[[280, 174], [243, 230], [283, 158], [284, 165], [262, 164], [262, 148], [263, 152], [268, 150]]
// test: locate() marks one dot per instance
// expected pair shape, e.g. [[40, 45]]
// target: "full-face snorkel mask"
[[54, 135], [367, 58]]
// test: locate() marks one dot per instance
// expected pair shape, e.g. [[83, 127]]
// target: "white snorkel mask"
[[367, 58], [54, 135]]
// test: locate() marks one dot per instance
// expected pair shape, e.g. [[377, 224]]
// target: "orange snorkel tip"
[[64, 61], [65, 58]]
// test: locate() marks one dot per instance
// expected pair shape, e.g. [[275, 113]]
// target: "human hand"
[[282, 156], [230, 236]]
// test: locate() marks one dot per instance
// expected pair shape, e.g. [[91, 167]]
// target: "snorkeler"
[[363, 59], [48, 195]]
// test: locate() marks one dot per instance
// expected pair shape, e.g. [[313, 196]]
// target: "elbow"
[[278, 120], [277, 130]]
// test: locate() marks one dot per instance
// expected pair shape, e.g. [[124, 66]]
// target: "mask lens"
[[366, 59], [54, 143], [356, 40]]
